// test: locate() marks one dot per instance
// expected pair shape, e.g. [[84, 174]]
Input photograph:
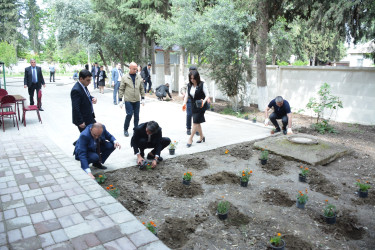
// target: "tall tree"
[[33, 22], [9, 16]]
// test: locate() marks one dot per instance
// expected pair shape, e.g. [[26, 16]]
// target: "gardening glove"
[[266, 121], [184, 107], [290, 131], [121, 104]]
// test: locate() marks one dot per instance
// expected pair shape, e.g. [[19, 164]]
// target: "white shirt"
[[192, 91]]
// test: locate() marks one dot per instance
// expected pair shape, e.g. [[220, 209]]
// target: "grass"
[[229, 111]]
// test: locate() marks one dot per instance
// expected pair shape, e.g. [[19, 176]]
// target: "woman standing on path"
[[102, 77], [198, 92]]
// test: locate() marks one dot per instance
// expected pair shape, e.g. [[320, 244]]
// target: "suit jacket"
[[115, 75], [86, 143], [81, 106], [140, 133], [93, 71], [145, 74], [28, 79]]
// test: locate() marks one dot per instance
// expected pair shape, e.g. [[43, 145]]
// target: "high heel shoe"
[[203, 140], [188, 145]]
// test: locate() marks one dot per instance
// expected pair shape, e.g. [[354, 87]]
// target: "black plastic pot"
[[363, 194], [185, 182], [330, 220], [302, 178], [254, 121], [282, 247], [301, 205], [172, 151], [223, 216], [244, 183], [263, 162]]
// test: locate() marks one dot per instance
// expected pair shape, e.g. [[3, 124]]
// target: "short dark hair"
[[152, 126], [95, 63], [149, 64], [84, 73], [192, 68]]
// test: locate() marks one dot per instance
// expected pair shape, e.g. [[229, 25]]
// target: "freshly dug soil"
[[186, 215]]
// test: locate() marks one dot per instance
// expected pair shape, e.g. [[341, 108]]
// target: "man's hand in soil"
[[139, 159], [154, 163]]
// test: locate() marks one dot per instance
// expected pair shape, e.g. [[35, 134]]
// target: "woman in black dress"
[[198, 92], [102, 76]]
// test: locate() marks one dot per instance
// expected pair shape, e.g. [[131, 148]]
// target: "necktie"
[[34, 75], [89, 96], [149, 138], [98, 149]]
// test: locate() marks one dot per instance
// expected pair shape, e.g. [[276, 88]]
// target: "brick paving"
[[48, 202]]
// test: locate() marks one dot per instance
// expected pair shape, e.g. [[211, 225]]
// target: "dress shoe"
[[284, 131], [203, 140], [40, 109], [126, 133], [188, 145], [188, 132], [98, 165], [277, 130]]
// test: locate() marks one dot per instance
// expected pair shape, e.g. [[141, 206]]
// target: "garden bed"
[[186, 215]]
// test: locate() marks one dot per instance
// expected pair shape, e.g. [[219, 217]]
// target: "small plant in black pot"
[[152, 227], [330, 213], [302, 198], [101, 178], [186, 179], [246, 117], [245, 176], [222, 209], [254, 119], [172, 147], [277, 242], [363, 188], [263, 156], [304, 172]]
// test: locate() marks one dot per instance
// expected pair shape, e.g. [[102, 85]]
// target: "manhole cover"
[[303, 139]]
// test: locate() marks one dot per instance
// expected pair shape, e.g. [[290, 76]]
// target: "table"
[[19, 100]]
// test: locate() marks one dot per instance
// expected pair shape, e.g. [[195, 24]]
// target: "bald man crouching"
[[94, 145]]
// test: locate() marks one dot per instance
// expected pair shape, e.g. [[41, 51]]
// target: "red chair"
[[6, 103], [3, 93], [32, 108]]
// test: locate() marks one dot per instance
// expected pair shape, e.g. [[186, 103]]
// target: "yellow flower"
[[243, 174], [226, 151], [278, 234], [100, 176]]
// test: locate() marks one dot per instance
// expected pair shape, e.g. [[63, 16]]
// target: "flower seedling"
[[113, 191], [223, 207], [245, 175], [101, 178], [264, 154], [302, 197], [276, 240], [329, 210], [187, 176], [304, 171], [173, 145], [151, 226], [363, 187], [226, 151]]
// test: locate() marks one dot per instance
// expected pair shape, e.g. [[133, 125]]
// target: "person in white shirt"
[[116, 81]]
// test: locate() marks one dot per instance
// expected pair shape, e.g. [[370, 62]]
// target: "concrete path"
[[48, 202]]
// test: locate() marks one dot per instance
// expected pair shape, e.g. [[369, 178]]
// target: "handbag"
[[198, 104]]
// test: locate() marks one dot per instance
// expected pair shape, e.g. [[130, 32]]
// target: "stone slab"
[[315, 154]]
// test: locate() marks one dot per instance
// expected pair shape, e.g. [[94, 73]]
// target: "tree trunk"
[[181, 79], [261, 54], [153, 62], [144, 48], [167, 67], [104, 61]]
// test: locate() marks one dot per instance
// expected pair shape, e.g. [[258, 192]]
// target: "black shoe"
[[150, 157], [98, 165], [277, 130], [40, 109], [188, 145], [188, 132], [203, 140], [284, 131], [114, 103], [126, 133], [160, 158], [197, 133]]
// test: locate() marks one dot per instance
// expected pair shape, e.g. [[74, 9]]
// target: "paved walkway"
[[48, 202]]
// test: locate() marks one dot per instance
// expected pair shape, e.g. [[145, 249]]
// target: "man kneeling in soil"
[[95, 145], [149, 135], [281, 110]]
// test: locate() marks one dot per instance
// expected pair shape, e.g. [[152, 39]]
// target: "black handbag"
[[198, 104]]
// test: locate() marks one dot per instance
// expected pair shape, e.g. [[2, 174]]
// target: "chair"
[[3, 93], [32, 108], [6, 103]]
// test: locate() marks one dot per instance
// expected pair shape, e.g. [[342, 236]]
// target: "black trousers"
[[51, 74], [35, 87], [273, 117], [143, 144]]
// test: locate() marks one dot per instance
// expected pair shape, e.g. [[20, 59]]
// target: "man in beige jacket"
[[131, 89]]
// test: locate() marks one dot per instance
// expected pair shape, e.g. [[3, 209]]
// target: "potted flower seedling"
[[172, 147], [246, 117], [152, 227], [277, 242], [363, 188], [222, 209], [330, 213], [113, 191], [254, 119], [150, 92], [263, 156], [245, 176], [303, 174], [101, 178], [273, 131], [212, 108], [186, 179], [302, 198]]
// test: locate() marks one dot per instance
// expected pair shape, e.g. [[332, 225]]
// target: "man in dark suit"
[[94, 145], [146, 75], [149, 135], [82, 101], [34, 80], [95, 74]]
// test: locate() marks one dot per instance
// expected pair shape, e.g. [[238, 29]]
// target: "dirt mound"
[[277, 197], [319, 183], [295, 243], [235, 217], [346, 226], [370, 200], [242, 151], [274, 166], [175, 232], [175, 188], [222, 178], [191, 162]]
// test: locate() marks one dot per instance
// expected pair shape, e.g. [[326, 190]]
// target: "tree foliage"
[[7, 54]]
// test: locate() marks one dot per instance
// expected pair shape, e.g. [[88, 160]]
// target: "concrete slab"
[[314, 154]]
